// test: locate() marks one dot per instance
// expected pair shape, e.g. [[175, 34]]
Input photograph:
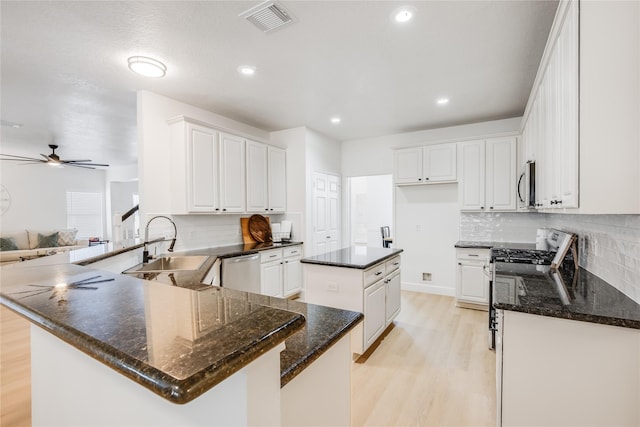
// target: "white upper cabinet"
[[277, 179], [471, 188], [232, 173], [500, 174], [257, 180], [580, 125], [488, 175], [266, 178], [425, 165], [439, 162], [407, 166], [194, 168]]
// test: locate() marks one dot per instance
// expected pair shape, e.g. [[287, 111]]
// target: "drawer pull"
[[272, 256], [474, 255], [396, 263], [378, 273]]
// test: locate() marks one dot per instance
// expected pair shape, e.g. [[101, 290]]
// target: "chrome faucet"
[[145, 252]]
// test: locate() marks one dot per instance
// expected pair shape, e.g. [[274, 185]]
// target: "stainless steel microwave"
[[527, 186]]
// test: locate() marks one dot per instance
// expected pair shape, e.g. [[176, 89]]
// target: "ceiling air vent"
[[267, 16]]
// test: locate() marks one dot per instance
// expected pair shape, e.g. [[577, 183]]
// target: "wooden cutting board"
[[260, 228], [246, 235]]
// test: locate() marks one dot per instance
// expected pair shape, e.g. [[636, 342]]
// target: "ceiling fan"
[[53, 159]]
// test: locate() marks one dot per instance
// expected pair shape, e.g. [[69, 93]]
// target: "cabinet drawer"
[[294, 251], [392, 264], [472, 253], [374, 274], [272, 255]]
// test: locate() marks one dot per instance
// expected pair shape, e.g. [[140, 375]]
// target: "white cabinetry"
[[581, 373], [195, 179], [280, 271], [424, 165], [488, 175], [580, 124], [472, 284], [232, 173], [375, 292], [266, 178]]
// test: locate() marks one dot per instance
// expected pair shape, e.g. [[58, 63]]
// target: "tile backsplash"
[[608, 246]]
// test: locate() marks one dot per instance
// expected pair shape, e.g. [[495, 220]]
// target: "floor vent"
[[267, 16]]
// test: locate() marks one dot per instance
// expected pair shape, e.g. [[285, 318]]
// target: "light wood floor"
[[15, 370], [432, 369]]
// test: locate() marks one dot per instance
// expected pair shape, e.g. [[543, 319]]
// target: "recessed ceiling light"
[[335, 120], [404, 14], [442, 101], [147, 67], [247, 70]]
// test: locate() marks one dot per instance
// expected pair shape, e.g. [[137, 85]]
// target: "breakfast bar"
[[207, 354]]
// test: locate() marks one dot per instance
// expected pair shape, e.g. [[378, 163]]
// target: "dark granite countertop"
[[353, 257], [489, 245], [581, 296], [134, 326]]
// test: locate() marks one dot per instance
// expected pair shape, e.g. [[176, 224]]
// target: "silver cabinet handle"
[[474, 255]]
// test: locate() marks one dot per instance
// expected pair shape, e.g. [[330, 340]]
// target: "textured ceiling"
[[65, 78]]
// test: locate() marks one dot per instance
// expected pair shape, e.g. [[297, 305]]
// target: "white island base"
[[69, 388]]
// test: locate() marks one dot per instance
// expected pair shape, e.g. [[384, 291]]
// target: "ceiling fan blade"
[[35, 162], [75, 161], [85, 164], [45, 156], [76, 165], [14, 157]]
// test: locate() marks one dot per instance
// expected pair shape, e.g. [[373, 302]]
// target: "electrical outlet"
[[418, 228], [426, 277], [332, 287]]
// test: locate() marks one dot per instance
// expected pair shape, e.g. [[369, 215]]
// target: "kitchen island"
[[363, 279], [227, 357]]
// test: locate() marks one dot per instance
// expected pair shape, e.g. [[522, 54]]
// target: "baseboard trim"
[[428, 289]]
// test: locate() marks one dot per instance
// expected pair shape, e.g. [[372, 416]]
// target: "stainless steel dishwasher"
[[241, 273]]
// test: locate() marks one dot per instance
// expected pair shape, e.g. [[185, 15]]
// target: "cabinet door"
[[232, 173], [501, 177], [568, 42], [256, 177], [202, 169], [407, 166], [292, 276], [473, 283], [277, 179], [393, 297], [374, 312], [439, 162], [471, 187], [271, 279]]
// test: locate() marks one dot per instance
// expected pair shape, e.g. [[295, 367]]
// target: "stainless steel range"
[[551, 246]]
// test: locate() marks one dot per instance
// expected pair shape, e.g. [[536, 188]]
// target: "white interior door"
[[326, 212]]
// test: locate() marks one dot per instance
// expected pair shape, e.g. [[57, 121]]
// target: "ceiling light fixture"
[[247, 70], [442, 101], [147, 67], [335, 120], [404, 14]]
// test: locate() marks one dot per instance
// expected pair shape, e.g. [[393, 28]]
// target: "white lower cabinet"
[[559, 372], [472, 284], [280, 272], [375, 292]]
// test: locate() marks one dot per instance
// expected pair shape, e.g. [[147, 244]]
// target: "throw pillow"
[[67, 237], [49, 241], [8, 244]]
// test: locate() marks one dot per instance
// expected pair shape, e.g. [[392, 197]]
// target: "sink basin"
[[170, 263]]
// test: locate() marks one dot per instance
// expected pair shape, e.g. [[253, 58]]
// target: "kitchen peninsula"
[[226, 357], [362, 279]]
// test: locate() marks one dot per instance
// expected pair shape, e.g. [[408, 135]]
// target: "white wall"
[[39, 193], [426, 217]]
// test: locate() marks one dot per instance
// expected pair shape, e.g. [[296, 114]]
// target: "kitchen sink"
[[170, 263]]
